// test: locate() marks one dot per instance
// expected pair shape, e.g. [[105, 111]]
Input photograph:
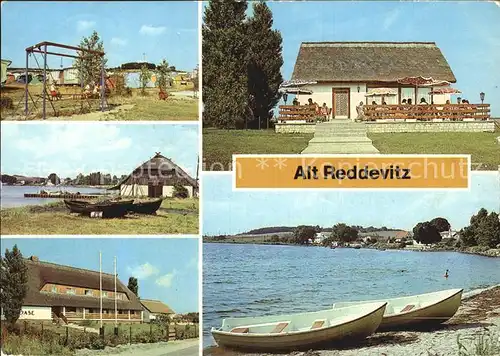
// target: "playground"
[[42, 93]]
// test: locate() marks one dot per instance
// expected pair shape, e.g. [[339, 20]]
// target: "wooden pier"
[[61, 196]]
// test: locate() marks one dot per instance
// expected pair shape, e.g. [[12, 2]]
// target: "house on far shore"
[[320, 237], [155, 178], [342, 74], [64, 294], [155, 308]]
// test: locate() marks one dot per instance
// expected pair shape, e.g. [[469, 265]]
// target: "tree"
[[144, 78], [54, 179], [426, 233], [89, 65], [14, 279], [488, 232], [265, 62], [163, 74], [225, 58], [484, 230], [441, 224], [303, 233], [343, 233], [133, 285]]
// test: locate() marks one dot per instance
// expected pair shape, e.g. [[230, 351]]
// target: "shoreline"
[[474, 250], [477, 318]]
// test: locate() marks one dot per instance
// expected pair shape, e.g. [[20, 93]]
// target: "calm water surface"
[[13, 196], [253, 280]]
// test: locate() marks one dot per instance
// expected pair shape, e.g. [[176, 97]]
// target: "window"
[[70, 310], [54, 289], [104, 294], [70, 291], [89, 292]]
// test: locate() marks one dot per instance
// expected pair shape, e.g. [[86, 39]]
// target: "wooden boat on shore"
[[146, 207], [300, 331], [109, 209], [421, 310]]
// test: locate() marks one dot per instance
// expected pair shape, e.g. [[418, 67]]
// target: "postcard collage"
[[238, 177]]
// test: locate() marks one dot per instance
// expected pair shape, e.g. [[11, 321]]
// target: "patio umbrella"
[[296, 83], [445, 90], [295, 90], [420, 81]]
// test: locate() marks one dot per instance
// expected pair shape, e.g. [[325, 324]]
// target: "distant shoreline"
[[475, 250]]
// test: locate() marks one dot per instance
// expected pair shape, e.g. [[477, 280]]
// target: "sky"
[[468, 34], [129, 29], [166, 269], [229, 212], [36, 149]]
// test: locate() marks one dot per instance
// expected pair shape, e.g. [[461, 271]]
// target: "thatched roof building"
[[58, 291], [344, 72], [156, 177], [155, 308], [370, 62]]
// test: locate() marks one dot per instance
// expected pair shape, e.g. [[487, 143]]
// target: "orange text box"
[[378, 171]]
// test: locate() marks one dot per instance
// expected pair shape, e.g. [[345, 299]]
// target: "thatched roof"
[[370, 61], [158, 169], [41, 273], [156, 306]]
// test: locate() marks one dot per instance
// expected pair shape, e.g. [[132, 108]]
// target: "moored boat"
[[146, 207], [300, 331], [427, 309], [109, 209]]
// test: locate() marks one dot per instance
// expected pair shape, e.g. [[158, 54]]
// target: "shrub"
[[180, 191]]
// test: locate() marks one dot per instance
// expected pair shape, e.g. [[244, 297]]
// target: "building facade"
[[64, 294], [156, 177], [343, 74], [154, 309]]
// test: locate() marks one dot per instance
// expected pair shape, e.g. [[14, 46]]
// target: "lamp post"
[[285, 97], [481, 95]]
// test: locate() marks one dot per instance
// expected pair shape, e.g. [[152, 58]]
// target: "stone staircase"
[[340, 136]]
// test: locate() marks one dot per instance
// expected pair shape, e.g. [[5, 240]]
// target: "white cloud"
[[392, 16], [150, 30], [83, 25], [116, 41], [166, 280], [143, 271]]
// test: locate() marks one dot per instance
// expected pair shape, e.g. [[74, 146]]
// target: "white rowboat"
[[302, 330], [417, 310]]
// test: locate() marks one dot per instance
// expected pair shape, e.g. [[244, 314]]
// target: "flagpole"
[[100, 288], [116, 309]]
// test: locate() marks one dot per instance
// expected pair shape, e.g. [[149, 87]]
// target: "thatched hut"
[[156, 177], [344, 73]]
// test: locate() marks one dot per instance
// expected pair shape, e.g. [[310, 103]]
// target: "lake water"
[[13, 196], [253, 280]]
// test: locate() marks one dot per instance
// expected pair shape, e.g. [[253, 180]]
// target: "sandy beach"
[[477, 322]]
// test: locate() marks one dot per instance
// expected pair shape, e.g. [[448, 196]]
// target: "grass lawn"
[[482, 146], [180, 106], [54, 218], [220, 145]]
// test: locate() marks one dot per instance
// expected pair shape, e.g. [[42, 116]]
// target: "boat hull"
[[433, 309], [108, 210], [148, 208], [429, 316], [349, 331]]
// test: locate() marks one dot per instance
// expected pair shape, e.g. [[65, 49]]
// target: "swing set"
[[83, 97]]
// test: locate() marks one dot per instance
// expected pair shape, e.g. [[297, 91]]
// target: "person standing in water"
[[446, 274]]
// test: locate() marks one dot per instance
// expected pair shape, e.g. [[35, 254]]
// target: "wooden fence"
[[448, 112], [297, 112]]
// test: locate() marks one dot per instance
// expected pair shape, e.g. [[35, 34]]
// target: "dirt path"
[[178, 348], [476, 323]]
